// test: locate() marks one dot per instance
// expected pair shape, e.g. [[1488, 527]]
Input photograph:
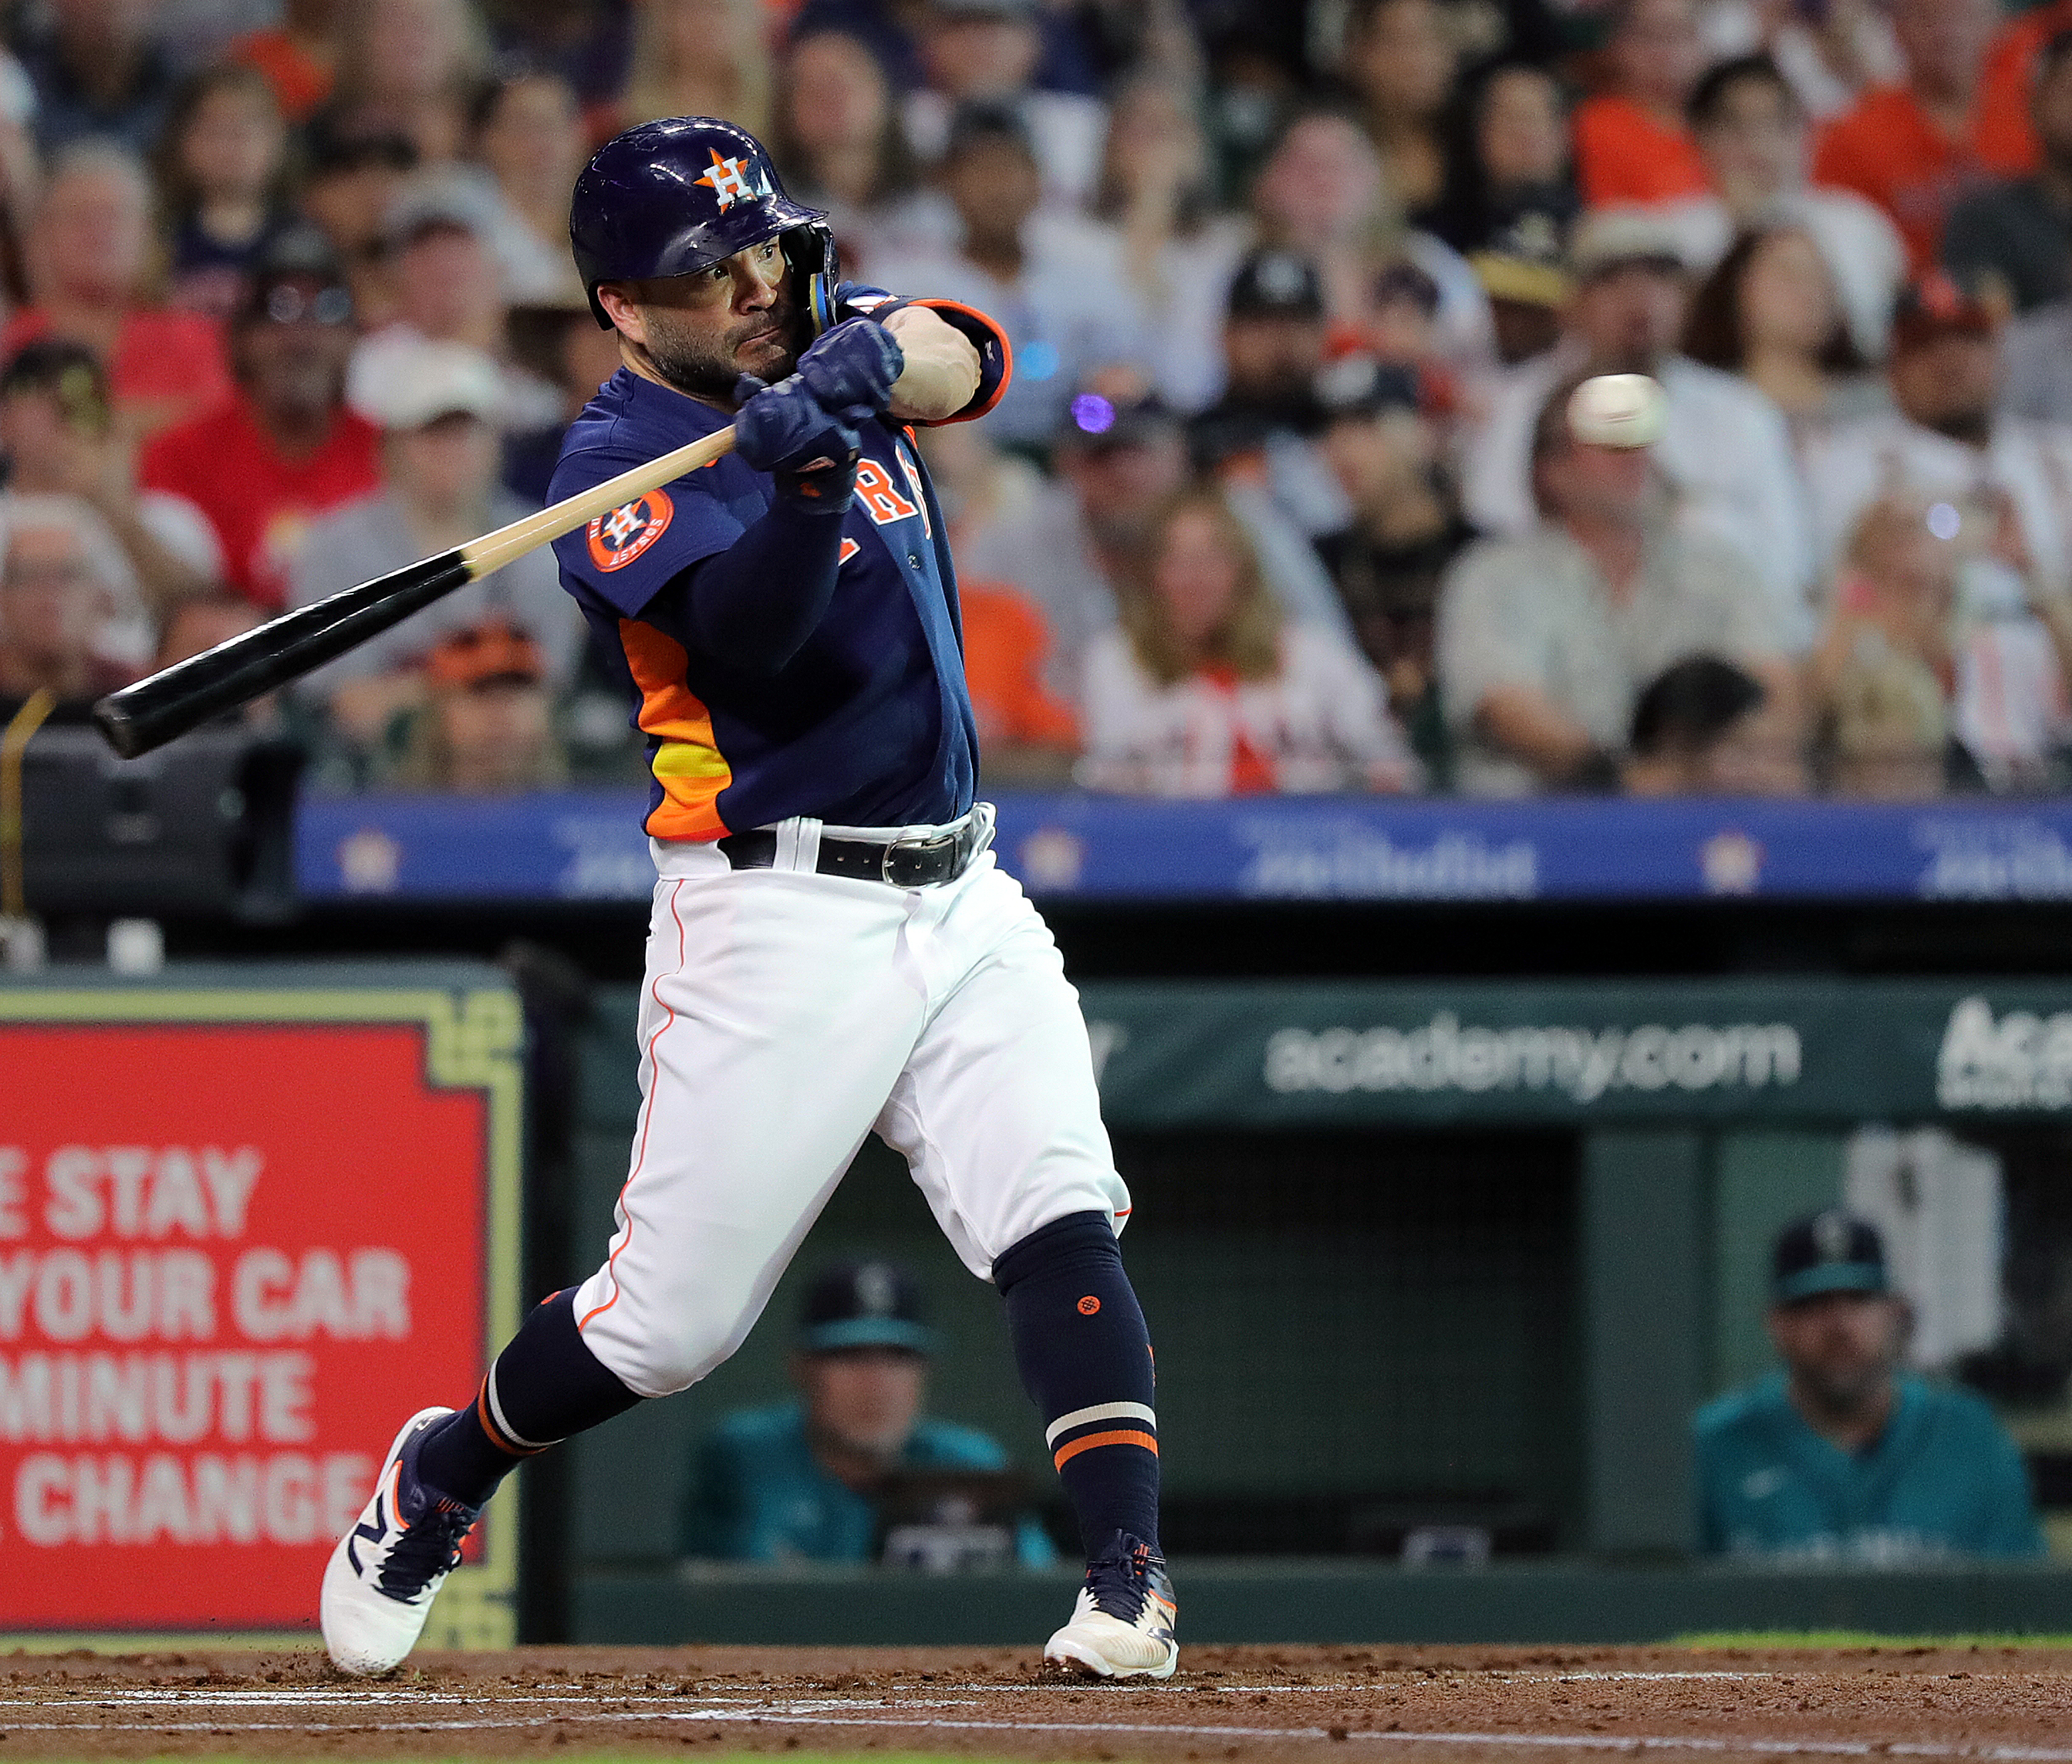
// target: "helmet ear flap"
[[809, 253]]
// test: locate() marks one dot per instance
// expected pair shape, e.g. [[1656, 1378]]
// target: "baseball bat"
[[169, 703]]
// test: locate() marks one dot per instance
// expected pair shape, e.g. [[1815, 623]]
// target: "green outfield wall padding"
[[1294, 1602]]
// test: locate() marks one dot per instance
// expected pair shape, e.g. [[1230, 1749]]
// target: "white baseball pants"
[[785, 1015]]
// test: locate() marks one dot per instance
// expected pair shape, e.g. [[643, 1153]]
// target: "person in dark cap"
[[285, 450], [1275, 326], [1841, 1456], [800, 1479]]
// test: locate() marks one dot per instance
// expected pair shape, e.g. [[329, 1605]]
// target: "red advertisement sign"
[[233, 1258]]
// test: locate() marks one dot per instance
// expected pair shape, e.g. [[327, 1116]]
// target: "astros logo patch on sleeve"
[[617, 538]]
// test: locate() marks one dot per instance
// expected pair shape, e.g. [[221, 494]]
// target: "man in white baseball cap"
[[438, 405]]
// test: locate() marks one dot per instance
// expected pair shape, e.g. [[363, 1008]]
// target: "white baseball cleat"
[[379, 1585], [1122, 1625]]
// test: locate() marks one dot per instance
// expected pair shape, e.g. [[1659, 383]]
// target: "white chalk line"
[[903, 1714]]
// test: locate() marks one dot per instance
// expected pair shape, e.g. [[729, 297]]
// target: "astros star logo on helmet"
[[728, 180], [617, 538]]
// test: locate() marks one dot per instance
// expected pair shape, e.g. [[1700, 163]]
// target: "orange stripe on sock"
[[1148, 1441], [497, 1437]]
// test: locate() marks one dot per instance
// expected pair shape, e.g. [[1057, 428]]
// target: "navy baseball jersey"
[[870, 724]]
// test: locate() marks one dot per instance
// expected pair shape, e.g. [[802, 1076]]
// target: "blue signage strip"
[[576, 846]]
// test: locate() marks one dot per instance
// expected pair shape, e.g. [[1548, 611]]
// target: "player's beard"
[[707, 367]]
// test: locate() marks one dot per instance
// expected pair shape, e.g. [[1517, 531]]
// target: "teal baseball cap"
[[864, 1304], [1827, 1252]]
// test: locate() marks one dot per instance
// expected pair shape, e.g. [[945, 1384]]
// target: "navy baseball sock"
[[545, 1385], [1085, 1358]]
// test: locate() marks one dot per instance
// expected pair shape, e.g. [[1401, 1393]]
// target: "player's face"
[[865, 1399], [1840, 1347], [704, 331]]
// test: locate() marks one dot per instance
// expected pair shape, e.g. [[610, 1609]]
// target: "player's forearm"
[[941, 375], [754, 604]]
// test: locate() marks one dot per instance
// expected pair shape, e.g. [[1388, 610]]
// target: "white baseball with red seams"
[[1618, 410], [786, 1015]]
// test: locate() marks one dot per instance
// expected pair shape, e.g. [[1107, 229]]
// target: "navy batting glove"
[[784, 429], [854, 363]]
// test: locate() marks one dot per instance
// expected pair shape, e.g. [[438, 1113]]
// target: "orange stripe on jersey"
[[1066, 1453], [971, 412], [688, 764]]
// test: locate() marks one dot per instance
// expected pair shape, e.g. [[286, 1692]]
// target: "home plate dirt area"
[[1417, 1705]]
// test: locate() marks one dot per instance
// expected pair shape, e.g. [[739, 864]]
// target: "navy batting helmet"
[[668, 198]]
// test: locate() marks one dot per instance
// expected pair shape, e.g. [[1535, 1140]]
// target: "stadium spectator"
[[1632, 143], [2011, 242], [1916, 149], [562, 346], [1157, 191], [839, 143], [2007, 133], [99, 76], [58, 433], [1769, 313], [1998, 673], [284, 449], [697, 58], [1944, 440], [349, 187], [528, 136], [1510, 202], [1028, 735], [449, 289], [588, 43], [1055, 283], [406, 67], [987, 52], [1545, 640], [62, 577], [440, 458], [1841, 1457], [1204, 688], [1704, 727], [297, 56], [1834, 51], [1725, 447], [802, 1480], [1751, 135], [222, 184], [1401, 59], [90, 252], [485, 727], [1405, 528], [1261, 430], [1321, 194], [200, 623]]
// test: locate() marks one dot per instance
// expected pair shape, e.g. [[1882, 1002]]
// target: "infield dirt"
[[1419, 1705]]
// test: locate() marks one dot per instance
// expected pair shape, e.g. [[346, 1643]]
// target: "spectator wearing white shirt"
[[986, 51], [1055, 284], [1725, 448], [1944, 440], [1204, 689], [1120, 456], [440, 458], [1546, 639], [1752, 136]]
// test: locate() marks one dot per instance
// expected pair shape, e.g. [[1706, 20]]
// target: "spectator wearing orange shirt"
[[1025, 736], [1632, 143], [298, 57], [1915, 150], [2007, 126], [89, 252]]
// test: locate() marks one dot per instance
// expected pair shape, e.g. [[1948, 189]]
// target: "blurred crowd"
[[1284, 497]]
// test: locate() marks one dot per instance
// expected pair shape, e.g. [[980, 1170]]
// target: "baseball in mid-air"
[[1617, 410]]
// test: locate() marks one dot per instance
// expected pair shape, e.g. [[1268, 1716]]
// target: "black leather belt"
[[911, 862]]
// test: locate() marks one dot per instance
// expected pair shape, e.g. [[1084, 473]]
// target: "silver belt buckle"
[[917, 848]]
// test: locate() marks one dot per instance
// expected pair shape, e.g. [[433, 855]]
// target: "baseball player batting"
[[833, 951]]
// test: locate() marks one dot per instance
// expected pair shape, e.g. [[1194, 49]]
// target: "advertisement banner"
[[244, 1233], [1270, 1054]]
